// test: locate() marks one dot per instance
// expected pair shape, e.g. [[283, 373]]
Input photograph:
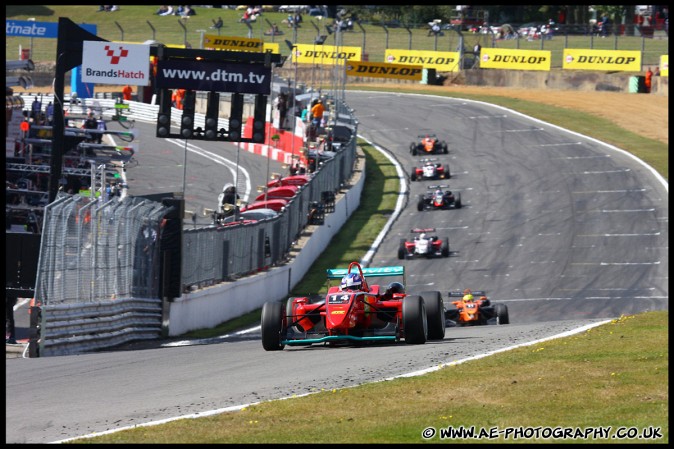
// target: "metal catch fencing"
[[98, 256]]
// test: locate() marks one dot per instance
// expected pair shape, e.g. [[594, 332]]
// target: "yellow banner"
[[604, 60], [384, 70], [325, 54], [232, 43], [664, 65], [444, 61], [272, 47], [502, 58]]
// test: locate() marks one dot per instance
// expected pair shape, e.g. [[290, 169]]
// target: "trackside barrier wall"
[[209, 307], [99, 274]]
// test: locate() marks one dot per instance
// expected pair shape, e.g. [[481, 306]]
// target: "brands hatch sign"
[[115, 63]]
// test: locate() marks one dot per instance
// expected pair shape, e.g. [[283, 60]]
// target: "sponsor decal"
[[214, 76], [512, 59], [383, 70], [232, 43], [29, 28], [115, 63], [443, 61], [603, 60], [325, 54]]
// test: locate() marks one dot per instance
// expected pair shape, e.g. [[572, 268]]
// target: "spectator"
[[101, 126], [648, 81], [167, 12], [35, 108], [126, 92], [217, 24], [180, 96], [50, 112], [282, 109], [657, 71], [317, 113], [162, 10], [90, 123], [10, 329]]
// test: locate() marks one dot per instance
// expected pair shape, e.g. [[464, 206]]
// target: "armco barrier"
[[212, 306]]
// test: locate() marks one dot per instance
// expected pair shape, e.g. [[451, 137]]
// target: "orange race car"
[[428, 144], [474, 309]]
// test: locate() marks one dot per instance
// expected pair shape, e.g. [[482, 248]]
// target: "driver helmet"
[[395, 287], [438, 192], [422, 236], [351, 281], [467, 295]]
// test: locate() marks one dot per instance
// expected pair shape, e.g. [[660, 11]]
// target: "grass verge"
[[612, 376]]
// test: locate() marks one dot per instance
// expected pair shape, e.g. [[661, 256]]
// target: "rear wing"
[[420, 230], [421, 136], [338, 273], [443, 186], [428, 159], [459, 294]]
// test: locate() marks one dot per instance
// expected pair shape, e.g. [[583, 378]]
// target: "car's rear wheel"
[[444, 147], [447, 173], [414, 320], [435, 315], [444, 251], [501, 311], [420, 203], [273, 324], [457, 200], [413, 176], [402, 249]]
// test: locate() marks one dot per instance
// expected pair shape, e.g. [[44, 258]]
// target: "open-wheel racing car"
[[437, 198], [355, 312], [474, 309], [430, 170], [428, 144], [423, 245]]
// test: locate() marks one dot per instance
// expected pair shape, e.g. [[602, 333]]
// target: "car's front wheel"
[[273, 326]]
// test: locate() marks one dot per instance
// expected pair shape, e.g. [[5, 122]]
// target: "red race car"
[[474, 309], [436, 198], [355, 311], [423, 245]]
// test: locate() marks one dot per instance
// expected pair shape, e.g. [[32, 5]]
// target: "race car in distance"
[[437, 198], [475, 312], [430, 170], [423, 245], [428, 144], [355, 312]]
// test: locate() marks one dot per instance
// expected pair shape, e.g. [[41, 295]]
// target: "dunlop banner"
[[443, 61], [604, 60], [384, 70], [501, 58], [232, 43], [664, 65], [325, 54]]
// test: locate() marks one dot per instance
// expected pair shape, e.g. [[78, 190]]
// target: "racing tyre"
[[414, 320], [420, 204], [444, 251], [443, 145], [401, 249], [413, 176], [435, 315], [457, 201], [447, 173], [501, 311], [273, 325]]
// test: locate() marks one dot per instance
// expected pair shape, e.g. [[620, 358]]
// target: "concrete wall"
[[212, 306]]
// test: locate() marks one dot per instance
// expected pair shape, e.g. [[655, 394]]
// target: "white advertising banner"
[[115, 63]]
